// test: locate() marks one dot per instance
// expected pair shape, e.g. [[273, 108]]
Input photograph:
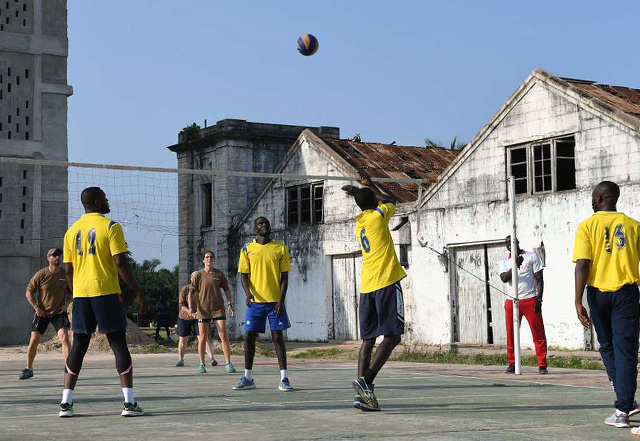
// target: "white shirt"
[[531, 264]]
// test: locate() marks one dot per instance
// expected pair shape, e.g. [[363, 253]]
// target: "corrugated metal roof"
[[394, 161], [625, 99]]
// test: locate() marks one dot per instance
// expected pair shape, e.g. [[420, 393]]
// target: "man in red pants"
[[530, 289]]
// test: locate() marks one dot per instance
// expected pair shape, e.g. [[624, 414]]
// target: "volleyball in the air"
[[307, 45]]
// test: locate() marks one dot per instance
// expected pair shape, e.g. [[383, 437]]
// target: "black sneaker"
[[511, 369], [366, 393], [66, 410], [543, 370]]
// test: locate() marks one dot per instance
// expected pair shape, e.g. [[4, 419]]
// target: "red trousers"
[[527, 308]]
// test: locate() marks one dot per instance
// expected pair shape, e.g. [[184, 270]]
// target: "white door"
[[346, 281]]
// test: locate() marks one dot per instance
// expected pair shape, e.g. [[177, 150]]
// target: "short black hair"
[[89, 195], [365, 198], [609, 190], [208, 252]]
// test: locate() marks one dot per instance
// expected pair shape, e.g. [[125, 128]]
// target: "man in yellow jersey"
[[381, 310], [606, 253], [264, 267], [95, 252]]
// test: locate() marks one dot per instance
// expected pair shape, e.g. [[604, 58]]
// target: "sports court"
[[419, 401]]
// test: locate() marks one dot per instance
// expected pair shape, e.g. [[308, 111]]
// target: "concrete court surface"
[[419, 401]]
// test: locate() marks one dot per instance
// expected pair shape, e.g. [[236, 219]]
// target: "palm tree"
[[454, 145]]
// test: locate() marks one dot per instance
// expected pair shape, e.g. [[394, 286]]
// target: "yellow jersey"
[[610, 240], [264, 264], [89, 245], [380, 266]]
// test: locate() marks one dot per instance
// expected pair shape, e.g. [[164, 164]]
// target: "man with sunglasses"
[[50, 307]]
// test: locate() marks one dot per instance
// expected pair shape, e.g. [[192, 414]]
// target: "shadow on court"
[[419, 401]]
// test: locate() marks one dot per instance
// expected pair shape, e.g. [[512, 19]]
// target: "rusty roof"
[[395, 161], [625, 99]]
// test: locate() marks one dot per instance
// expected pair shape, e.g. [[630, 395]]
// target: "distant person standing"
[[95, 253], [162, 318], [187, 322], [530, 291], [264, 270], [208, 285], [50, 307], [607, 254]]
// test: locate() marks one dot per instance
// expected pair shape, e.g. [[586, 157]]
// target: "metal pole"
[[514, 273]]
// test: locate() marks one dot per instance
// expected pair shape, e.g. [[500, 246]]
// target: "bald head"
[[605, 196]]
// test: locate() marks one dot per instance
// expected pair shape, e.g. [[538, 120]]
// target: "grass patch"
[[573, 362], [320, 353], [155, 348]]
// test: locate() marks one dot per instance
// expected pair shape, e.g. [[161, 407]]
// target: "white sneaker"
[[66, 410]]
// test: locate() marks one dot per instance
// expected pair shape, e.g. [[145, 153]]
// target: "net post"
[[514, 274]]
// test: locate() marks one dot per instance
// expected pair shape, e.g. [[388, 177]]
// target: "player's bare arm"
[[383, 197], [69, 271], [284, 285], [32, 301], [244, 279], [583, 268]]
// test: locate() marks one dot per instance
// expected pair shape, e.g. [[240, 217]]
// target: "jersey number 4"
[[91, 238]]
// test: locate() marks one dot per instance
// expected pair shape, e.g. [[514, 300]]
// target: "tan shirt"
[[52, 289], [183, 301], [208, 288]]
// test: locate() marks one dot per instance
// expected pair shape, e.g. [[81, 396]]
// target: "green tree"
[[454, 145], [189, 133], [155, 283]]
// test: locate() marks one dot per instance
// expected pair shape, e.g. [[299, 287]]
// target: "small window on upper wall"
[[543, 167], [305, 204]]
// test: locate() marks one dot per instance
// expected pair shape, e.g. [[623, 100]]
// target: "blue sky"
[[143, 69]]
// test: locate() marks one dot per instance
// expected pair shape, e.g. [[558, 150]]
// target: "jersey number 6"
[[364, 240]]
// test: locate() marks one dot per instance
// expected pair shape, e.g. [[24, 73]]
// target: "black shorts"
[[107, 312], [211, 319], [382, 312], [59, 321], [187, 327], [163, 321]]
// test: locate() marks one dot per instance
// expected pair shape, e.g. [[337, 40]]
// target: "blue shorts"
[[107, 312], [257, 314], [382, 312]]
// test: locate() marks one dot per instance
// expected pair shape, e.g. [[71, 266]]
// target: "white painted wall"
[[472, 206]]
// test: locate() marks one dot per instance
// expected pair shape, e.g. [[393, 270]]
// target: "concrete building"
[[209, 206], [559, 137], [33, 124], [314, 218]]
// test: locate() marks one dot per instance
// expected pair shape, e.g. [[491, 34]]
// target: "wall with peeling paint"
[[472, 206]]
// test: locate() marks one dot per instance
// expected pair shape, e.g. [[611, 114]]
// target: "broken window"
[[304, 204], [543, 167]]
